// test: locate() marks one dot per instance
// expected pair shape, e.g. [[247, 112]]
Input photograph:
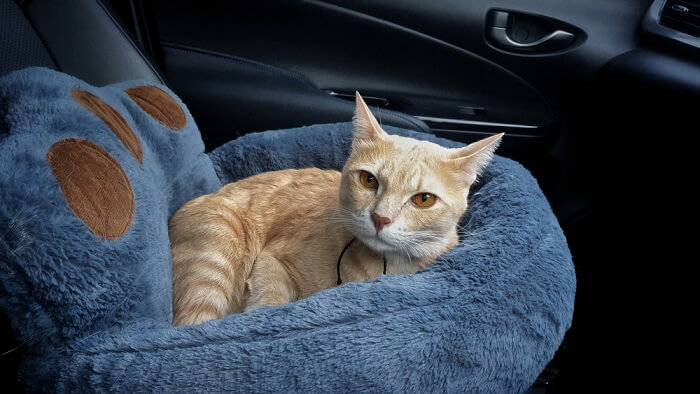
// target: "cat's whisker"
[[417, 248]]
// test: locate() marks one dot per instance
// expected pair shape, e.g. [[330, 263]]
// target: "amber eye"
[[424, 200], [368, 180]]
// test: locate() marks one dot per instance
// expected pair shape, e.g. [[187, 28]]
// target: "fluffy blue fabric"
[[486, 316]]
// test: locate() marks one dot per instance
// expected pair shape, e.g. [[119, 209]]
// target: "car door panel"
[[231, 96], [341, 50]]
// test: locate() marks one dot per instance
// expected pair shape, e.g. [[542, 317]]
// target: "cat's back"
[[307, 178], [284, 186], [264, 199]]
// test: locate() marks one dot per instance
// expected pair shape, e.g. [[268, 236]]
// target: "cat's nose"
[[380, 221]]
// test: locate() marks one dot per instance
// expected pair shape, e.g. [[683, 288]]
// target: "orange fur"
[[275, 237]]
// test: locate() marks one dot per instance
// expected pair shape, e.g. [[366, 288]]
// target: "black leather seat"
[[79, 37]]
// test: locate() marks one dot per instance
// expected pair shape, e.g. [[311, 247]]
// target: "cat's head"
[[404, 196]]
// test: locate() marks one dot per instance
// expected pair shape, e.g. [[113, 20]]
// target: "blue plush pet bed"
[[88, 179]]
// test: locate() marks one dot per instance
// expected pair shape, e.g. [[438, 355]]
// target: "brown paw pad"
[[159, 105], [113, 119], [94, 185]]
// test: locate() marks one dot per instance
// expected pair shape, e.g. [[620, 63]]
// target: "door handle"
[[511, 30], [554, 39]]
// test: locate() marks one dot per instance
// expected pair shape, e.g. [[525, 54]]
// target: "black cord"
[[340, 258]]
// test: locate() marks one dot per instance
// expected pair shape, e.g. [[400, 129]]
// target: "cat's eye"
[[368, 180], [424, 200]]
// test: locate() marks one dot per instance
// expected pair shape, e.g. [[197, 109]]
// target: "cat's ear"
[[366, 126], [473, 158]]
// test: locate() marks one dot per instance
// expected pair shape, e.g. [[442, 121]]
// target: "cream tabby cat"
[[276, 237]]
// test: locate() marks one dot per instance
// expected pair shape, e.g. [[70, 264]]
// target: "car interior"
[[548, 73]]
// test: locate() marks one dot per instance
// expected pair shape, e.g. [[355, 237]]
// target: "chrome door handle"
[[552, 40]]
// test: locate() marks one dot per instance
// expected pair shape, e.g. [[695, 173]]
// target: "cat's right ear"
[[473, 158], [366, 126]]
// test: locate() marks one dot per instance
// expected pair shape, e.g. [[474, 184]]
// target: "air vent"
[[682, 15]]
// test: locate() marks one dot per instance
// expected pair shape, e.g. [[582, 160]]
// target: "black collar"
[[340, 258]]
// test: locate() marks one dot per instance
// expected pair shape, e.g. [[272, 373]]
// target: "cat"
[[276, 237]]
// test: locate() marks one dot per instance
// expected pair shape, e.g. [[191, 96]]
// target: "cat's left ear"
[[366, 126], [473, 158]]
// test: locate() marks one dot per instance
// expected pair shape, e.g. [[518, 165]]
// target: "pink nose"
[[380, 222]]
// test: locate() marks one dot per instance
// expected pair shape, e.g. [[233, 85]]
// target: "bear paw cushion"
[[88, 179]]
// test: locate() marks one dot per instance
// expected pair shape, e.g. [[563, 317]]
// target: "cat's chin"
[[377, 244], [383, 246]]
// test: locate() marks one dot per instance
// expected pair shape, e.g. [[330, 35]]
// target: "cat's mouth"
[[378, 243]]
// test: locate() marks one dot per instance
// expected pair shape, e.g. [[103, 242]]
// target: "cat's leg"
[[269, 283], [204, 289], [211, 262]]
